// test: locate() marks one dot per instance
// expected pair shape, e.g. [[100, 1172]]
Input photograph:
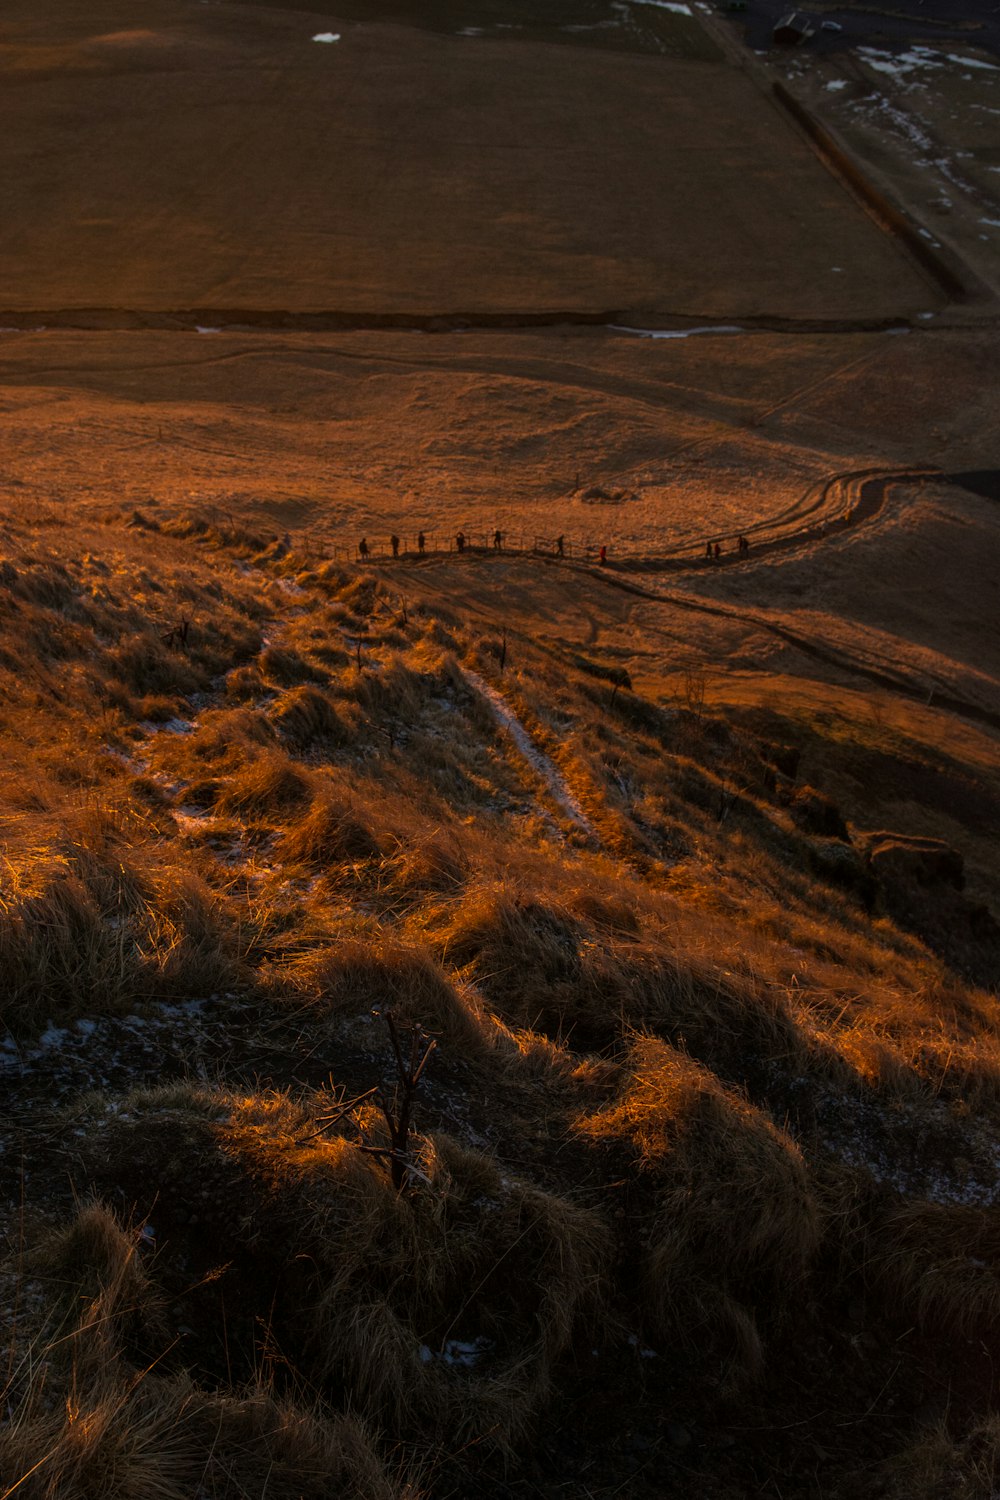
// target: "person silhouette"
[[363, 548], [460, 541], [394, 544], [421, 540]]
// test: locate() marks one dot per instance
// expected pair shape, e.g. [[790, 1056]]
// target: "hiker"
[[497, 541], [602, 556], [708, 550], [559, 546], [394, 544], [716, 552], [363, 547], [460, 541], [421, 540]]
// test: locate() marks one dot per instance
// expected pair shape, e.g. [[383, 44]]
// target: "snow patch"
[[327, 36], [973, 62], [676, 333], [530, 752]]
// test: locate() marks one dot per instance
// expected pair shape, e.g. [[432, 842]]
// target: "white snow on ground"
[[327, 36], [675, 333], [537, 759], [972, 62], [674, 5], [837, 83], [200, 329], [456, 1353]]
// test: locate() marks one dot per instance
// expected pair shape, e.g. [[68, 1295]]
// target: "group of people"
[[713, 550], [461, 542], [365, 551]]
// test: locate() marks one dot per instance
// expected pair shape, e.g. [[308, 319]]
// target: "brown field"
[[217, 158], [687, 870]]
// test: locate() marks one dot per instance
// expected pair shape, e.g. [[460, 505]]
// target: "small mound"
[[334, 829], [113, 1426], [733, 1223], [305, 717], [361, 974]]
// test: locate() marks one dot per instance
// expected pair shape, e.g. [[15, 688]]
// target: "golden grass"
[[369, 973], [938, 1464]]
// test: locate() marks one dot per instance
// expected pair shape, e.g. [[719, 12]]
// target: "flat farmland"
[[165, 156]]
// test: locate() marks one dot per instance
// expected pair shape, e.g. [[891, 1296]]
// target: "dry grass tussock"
[[375, 972], [92, 1411], [442, 1309], [731, 1221], [936, 1264], [937, 1464], [105, 918], [576, 966]]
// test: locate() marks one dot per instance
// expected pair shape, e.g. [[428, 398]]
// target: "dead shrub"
[[732, 1222]]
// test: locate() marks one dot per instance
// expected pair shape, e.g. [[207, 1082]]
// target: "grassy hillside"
[[696, 1194]]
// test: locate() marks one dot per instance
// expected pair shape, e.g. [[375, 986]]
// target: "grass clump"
[[439, 1311], [360, 974], [732, 1223], [93, 1413], [335, 827], [99, 925], [267, 787], [938, 1265], [305, 717]]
